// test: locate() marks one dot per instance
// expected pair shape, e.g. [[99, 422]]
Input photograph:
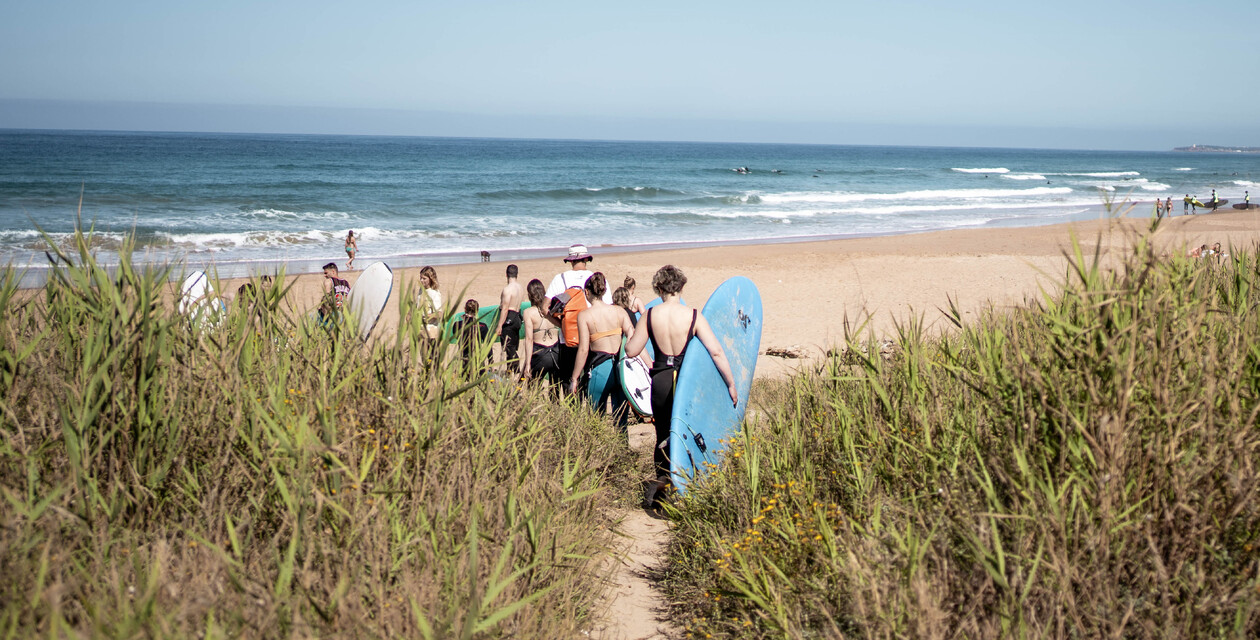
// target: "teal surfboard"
[[703, 415]]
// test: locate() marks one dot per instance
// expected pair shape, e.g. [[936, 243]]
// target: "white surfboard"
[[194, 291], [636, 382], [369, 295]]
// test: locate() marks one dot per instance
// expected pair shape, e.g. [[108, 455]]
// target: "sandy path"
[[634, 610]]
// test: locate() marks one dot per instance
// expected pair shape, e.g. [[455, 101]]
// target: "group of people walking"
[[576, 331]]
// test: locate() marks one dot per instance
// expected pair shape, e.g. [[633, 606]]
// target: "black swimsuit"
[[664, 376]]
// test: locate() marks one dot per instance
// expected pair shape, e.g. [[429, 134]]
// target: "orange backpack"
[[565, 307]]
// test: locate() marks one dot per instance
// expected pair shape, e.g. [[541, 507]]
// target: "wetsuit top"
[[663, 360]]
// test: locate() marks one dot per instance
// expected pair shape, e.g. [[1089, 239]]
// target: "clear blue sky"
[[1135, 75]]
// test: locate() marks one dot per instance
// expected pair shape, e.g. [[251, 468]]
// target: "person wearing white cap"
[[576, 276]]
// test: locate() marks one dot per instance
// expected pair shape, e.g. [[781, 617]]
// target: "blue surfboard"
[[703, 415]]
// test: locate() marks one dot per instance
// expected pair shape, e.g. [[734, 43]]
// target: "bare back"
[[671, 322], [511, 296], [605, 324]]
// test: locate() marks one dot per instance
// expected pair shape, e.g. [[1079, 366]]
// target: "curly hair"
[[668, 279]]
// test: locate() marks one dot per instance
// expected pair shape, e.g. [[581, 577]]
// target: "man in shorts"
[[509, 327]]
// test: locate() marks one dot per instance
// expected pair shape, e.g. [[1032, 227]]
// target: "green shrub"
[[250, 473], [1084, 467]]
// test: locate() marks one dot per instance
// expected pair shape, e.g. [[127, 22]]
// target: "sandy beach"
[[810, 289]]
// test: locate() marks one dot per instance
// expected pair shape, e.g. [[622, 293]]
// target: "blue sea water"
[[255, 199]]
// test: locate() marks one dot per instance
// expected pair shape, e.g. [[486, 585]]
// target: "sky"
[[1105, 75]]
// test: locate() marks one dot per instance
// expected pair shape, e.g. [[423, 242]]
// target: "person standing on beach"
[[670, 327], [1159, 208], [1215, 200], [430, 301], [509, 326], [1168, 206], [352, 247], [600, 330], [577, 259], [1185, 205], [336, 291], [636, 305], [542, 338]]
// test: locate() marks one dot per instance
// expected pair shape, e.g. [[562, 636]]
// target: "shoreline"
[[35, 273], [817, 292]]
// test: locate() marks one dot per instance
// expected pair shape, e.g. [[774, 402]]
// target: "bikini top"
[[545, 326], [664, 360], [605, 334]]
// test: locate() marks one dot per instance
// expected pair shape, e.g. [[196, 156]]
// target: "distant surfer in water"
[[352, 247], [670, 326]]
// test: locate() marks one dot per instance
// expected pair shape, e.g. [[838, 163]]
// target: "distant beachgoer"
[[636, 303], [670, 326], [472, 334], [1197, 252], [1194, 205], [1185, 205], [600, 330], [509, 326], [336, 291], [352, 247], [1246, 199], [1159, 208], [1215, 200], [542, 337], [1168, 206], [430, 301]]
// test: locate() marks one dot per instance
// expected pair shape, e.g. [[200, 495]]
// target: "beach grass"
[[250, 473], [1084, 466]]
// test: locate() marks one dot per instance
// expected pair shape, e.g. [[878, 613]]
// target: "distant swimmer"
[[775, 171], [352, 247]]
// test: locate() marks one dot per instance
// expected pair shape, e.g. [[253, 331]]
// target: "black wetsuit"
[[544, 363], [664, 378], [471, 334], [510, 338]]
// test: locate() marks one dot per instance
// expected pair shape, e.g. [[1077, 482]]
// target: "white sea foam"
[[982, 170], [281, 214], [1024, 176], [1247, 183], [936, 194], [1184, 169], [1099, 174], [1111, 185]]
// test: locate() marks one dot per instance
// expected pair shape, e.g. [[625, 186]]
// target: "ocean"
[[246, 202]]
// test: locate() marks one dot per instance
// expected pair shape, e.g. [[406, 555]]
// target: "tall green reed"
[[251, 472], [1081, 467]]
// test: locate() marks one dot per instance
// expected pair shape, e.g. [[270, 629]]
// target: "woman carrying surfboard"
[[600, 329], [670, 326]]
